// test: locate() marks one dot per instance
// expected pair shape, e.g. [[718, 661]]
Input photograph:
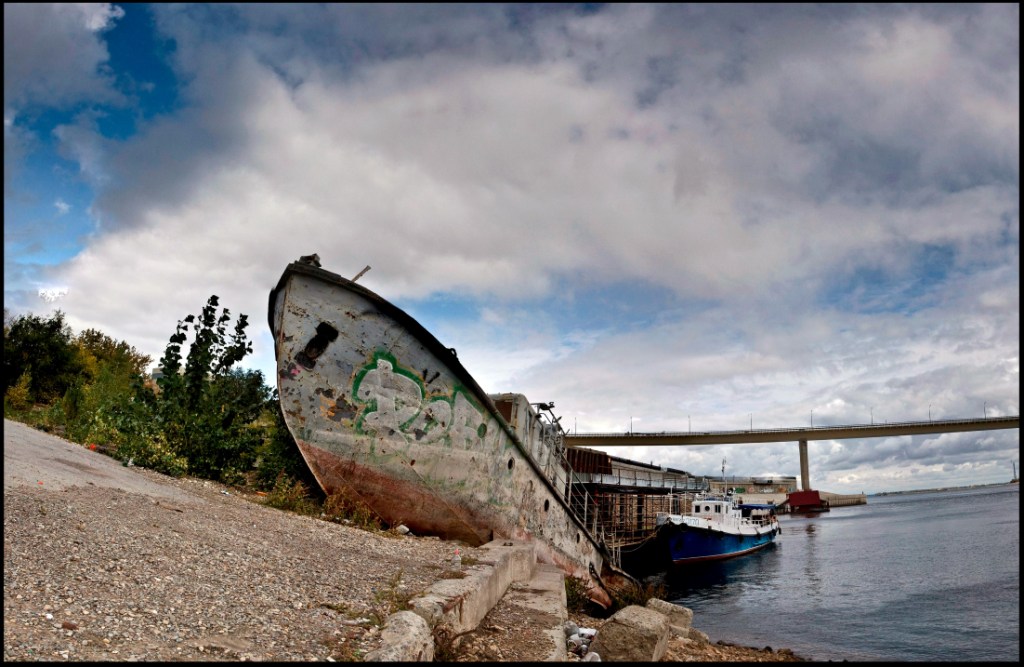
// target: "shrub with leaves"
[[637, 594], [576, 594], [205, 405], [18, 397], [292, 496], [278, 453], [344, 507], [43, 348]]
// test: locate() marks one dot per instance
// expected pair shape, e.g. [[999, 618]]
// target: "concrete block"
[[679, 618], [462, 603], [633, 634], [521, 557], [406, 638]]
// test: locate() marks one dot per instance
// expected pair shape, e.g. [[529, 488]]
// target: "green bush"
[[153, 453], [278, 453], [292, 496], [204, 407], [18, 397], [203, 416], [44, 349]]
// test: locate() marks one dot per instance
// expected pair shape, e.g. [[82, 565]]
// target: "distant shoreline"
[[941, 488]]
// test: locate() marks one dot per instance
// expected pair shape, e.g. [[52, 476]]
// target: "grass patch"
[[345, 648], [341, 508], [291, 495], [389, 600]]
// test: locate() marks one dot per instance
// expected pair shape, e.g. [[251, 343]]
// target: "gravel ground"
[[106, 562], [94, 572]]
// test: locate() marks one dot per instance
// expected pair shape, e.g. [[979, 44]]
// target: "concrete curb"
[[460, 604], [545, 593]]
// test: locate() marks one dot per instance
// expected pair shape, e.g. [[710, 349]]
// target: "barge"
[[386, 415]]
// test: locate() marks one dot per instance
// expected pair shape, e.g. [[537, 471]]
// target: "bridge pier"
[[805, 475]]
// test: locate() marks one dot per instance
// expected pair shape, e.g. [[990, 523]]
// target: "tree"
[[99, 402], [43, 348], [120, 357], [205, 406]]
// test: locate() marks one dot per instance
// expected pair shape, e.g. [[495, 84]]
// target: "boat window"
[[707, 508], [718, 509]]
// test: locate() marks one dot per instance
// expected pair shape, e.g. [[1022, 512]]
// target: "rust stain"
[[396, 501]]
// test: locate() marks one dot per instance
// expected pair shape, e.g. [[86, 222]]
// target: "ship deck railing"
[[665, 482]]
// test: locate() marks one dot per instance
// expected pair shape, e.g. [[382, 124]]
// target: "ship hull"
[[387, 417], [695, 545]]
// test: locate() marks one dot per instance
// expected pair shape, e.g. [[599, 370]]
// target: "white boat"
[[718, 527]]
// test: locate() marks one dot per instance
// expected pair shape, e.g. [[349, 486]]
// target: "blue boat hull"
[[692, 545]]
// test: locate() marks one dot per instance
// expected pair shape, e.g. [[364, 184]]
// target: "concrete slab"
[[460, 604], [544, 595]]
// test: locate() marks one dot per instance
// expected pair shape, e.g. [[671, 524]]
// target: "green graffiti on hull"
[[395, 401]]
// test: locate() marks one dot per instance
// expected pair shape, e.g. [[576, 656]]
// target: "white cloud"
[[53, 53], [783, 176]]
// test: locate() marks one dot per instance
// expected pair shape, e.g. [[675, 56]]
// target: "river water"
[[919, 577]]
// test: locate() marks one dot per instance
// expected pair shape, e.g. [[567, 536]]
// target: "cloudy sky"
[[661, 218]]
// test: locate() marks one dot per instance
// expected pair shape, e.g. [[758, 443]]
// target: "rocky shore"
[[104, 562]]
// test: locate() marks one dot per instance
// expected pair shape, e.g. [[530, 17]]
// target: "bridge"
[[802, 435]]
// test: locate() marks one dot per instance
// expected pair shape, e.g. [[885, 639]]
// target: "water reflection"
[[812, 570], [726, 579]]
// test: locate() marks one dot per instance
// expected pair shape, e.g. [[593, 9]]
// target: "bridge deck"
[[791, 434]]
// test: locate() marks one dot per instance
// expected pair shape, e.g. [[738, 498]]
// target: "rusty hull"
[[384, 413]]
